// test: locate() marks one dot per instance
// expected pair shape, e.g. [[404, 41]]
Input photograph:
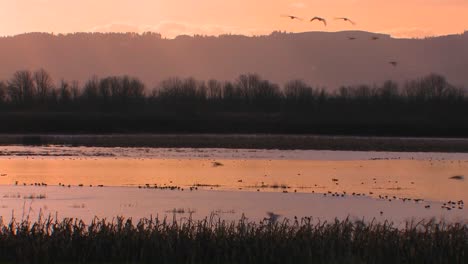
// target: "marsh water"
[[139, 182]]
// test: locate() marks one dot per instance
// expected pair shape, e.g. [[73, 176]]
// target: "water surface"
[[297, 178]]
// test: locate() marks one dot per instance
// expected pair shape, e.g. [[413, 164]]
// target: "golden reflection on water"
[[402, 178]]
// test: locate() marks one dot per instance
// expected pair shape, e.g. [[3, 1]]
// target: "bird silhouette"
[[319, 19], [272, 217], [346, 20], [351, 38], [393, 63], [375, 38], [292, 17]]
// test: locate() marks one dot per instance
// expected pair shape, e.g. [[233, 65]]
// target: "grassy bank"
[[244, 141], [214, 241], [166, 121]]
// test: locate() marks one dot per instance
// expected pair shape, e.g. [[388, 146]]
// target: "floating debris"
[[217, 164], [34, 196]]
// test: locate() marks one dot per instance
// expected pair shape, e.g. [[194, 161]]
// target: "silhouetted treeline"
[[34, 91], [429, 105]]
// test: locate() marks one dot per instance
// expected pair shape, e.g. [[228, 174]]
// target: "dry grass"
[[214, 241]]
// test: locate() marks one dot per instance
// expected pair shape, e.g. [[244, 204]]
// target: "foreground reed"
[[304, 240]]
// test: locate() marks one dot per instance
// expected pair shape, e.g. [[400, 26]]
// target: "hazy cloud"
[[117, 27], [411, 32], [298, 5]]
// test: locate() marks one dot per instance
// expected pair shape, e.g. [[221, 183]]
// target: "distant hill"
[[319, 58]]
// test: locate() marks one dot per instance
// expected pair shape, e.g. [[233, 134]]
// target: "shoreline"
[[244, 141]]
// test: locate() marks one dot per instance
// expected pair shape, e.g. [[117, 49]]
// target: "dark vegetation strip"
[[215, 241], [242, 141], [30, 102]]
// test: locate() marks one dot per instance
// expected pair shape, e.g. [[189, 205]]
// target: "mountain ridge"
[[324, 59]]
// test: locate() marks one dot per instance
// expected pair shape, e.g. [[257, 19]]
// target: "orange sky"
[[401, 18]]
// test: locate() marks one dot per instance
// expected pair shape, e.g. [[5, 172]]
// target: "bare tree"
[[246, 85], [75, 90], [214, 90], [21, 87], [3, 92], [297, 90], [230, 93], [64, 92], [90, 90], [363, 92], [389, 91], [105, 89], [431, 87], [344, 93], [130, 88], [44, 84], [137, 89]]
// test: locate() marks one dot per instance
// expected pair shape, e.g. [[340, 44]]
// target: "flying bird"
[[375, 38], [292, 17], [345, 19], [319, 19], [393, 63], [272, 217], [351, 38]]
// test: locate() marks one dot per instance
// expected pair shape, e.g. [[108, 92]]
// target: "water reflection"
[[426, 179]]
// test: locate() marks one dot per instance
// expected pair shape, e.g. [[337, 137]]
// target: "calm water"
[[230, 182]]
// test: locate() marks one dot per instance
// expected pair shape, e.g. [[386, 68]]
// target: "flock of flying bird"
[[345, 19], [323, 20]]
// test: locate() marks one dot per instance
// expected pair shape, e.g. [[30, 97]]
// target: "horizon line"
[[227, 34]]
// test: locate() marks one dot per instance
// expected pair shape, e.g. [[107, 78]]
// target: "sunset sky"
[[400, 18]]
